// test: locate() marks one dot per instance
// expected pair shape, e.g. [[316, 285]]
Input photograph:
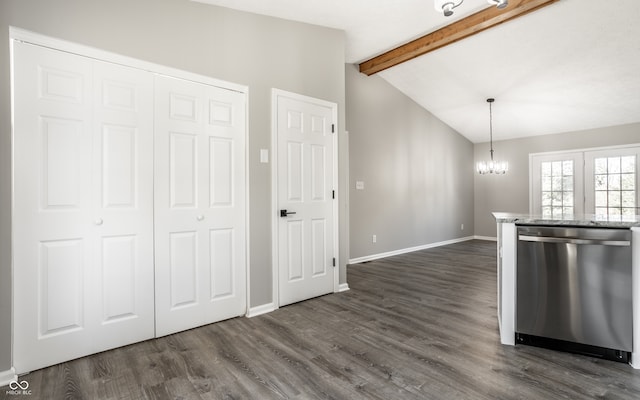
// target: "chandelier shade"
[[492, 166]]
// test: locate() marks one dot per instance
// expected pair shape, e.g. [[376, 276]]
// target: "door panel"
[[62, 285], [63, 160], [319, 246], [318, 173], [294, 172], [221, 263], [183, 171], [295, 246], [221, 172], [200, 209], [119, 156], [184, 269], [305, 184], [119, 265], [82, 206]]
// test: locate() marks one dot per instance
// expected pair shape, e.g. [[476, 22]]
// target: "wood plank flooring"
[[416, 326]]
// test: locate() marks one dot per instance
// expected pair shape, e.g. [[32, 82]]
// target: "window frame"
[[535, 179], [584, 185], [589, 174]]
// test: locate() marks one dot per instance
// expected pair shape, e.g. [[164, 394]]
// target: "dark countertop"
[[586, 220]]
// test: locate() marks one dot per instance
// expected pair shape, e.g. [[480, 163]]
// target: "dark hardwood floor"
[[416, 326]]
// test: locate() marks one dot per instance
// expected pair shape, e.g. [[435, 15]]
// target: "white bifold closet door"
[[83, 206], [200, 220]]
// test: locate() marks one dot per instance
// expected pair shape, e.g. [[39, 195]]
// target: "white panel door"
[[82, 232], [305, 148], [123, 203], [199, 204]]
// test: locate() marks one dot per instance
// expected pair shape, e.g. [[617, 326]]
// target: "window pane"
[[556, 183], [546, 184], [614, 182], [557, 212], [601, 211], [567, 167], [601, 198], [556, 168], [546, 212], [546, 198], [601, 165], [628, 182], [628, 211], [614, 165], [600, 182], [545, 169], [615, 199], [614, 211], [567, 199], [568, 212], [556, 198], [628, 199], [628, 164], [567, 183]]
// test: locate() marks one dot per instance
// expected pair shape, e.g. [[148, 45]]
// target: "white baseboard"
[[492, 239], [343, 287], [259, 310], [408, 250], [6, 377]]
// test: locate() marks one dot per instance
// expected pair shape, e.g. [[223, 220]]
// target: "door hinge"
[[334, 261], [333, 194], [333, 128]]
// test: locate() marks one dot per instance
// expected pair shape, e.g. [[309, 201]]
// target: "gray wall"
[[417, 171], [510, 192], [257, 51]]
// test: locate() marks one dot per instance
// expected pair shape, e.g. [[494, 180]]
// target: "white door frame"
[[275, 216]]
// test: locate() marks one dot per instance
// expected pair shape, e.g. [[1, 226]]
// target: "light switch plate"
[[359, 185]]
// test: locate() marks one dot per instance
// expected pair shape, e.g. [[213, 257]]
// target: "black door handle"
[[284, 213]]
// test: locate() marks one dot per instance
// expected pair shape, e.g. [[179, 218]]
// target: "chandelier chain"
[[492, 167], [491, 127]]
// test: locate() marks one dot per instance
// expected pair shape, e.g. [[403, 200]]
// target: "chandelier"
[[447, 6], [491, 166]]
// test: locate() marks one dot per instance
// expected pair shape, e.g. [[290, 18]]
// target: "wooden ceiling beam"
[[458, 30]]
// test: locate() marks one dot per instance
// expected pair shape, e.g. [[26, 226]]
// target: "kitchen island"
[[507, 257]]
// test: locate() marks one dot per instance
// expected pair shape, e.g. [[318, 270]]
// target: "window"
[[607, 185], [611, 177], [557, 184], [615, 185], [557, 188]]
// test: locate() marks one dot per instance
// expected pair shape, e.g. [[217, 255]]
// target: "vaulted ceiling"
[[572, 65]]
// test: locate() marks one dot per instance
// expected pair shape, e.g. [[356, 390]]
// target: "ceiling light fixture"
[[447, 6], [492, 167]]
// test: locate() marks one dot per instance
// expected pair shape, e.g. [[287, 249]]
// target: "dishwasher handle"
[[549, 239]]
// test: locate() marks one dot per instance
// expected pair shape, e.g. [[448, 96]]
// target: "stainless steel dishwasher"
[[574, 290]]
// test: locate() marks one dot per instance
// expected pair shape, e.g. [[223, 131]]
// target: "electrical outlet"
[[374, 239]]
